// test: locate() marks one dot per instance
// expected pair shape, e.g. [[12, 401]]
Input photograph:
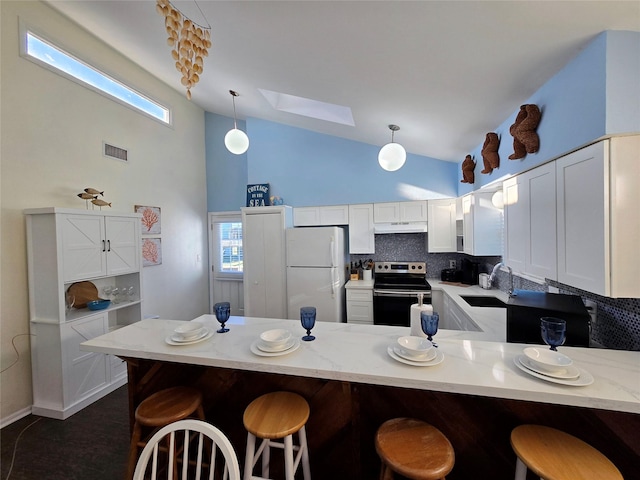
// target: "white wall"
[[52, 131]]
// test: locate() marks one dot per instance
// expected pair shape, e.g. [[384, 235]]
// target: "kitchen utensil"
[[83, 292], [99, 304], [275, 339], [415, 348], [189, 330], [308, 320], [429, 324], [547, 360], [553, 331]]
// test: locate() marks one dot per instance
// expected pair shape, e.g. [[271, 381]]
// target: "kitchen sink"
[[483, 301]]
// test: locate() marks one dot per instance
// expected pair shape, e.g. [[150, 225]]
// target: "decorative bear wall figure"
[[525, 138], [468, 166], [490, 156]]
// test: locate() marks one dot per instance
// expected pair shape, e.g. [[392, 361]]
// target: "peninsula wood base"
[[345, 416]]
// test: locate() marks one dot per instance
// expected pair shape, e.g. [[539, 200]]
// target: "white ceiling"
[[446, 72]]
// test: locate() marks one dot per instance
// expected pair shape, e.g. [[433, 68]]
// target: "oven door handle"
[[401, 293]]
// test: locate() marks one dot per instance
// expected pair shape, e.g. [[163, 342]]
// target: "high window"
[[44, 53]]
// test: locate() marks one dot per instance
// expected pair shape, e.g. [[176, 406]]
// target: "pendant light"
[[236, 140], [393, 155]]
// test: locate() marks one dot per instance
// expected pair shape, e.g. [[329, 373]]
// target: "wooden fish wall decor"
[[92, 194]]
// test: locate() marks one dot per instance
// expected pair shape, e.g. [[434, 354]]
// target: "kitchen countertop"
[[359, 284], [358, 353]]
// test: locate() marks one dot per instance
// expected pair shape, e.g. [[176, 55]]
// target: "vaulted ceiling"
[[446, 72]]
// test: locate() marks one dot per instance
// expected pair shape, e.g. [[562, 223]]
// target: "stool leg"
[[133, 450], [266, 458], [385, 472], [306, 470], [521, 470], [288, 457], [248, 458]]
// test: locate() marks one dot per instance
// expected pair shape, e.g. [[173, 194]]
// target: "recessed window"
[[44, 53]]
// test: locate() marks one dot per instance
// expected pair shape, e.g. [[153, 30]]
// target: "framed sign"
[[258, 195]]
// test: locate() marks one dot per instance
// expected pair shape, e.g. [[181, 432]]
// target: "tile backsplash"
[[618, 319]]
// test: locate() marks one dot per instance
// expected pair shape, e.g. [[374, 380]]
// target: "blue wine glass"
[[308, 320], [429, 323], [223, 310], [553, 331]]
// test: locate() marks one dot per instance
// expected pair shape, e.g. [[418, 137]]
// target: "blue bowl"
[[99, 304]]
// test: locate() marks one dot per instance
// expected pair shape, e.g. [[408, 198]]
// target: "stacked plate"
[[189, 333], [415, 351], [275, 342], [552, 366]]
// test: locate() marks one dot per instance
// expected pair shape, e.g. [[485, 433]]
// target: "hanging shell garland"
[[190, 43]]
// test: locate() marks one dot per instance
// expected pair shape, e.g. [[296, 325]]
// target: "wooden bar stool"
[[160, 409], [556, 455], [414, 449], [276, 416]]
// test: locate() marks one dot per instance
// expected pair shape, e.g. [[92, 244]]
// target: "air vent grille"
[[112, 151]]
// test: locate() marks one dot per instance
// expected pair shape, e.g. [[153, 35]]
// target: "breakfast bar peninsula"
[[475, 393]]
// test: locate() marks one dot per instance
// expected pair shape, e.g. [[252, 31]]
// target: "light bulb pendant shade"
[[393, 155], [236, 141]]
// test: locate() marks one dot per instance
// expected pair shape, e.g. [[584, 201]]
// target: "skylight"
[[59, 61], [309, 108]]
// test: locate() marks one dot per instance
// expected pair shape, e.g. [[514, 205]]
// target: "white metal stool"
[[277, 416]]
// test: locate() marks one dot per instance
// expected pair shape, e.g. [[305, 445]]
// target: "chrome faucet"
[[493, 274]]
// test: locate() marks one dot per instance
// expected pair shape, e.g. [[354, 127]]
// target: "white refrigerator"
[[316, 261]]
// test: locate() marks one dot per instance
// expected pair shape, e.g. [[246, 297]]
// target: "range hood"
[[400, 227]]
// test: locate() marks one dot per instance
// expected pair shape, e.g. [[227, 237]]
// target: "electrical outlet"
[[452, 264]]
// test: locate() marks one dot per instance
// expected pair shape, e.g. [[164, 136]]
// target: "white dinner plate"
[[256, 351], [568, 373], [430, 356], [266, 349], [435, 361], [584, 379], [174, 339]]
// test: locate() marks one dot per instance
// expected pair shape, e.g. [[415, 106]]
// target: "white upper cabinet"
[[361, 232], [598, 224], [98, 245], [400, 212], [321, 216], [442, 225], [530, 222], [482, 225]]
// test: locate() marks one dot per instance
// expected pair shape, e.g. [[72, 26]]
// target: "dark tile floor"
[[91, 445]]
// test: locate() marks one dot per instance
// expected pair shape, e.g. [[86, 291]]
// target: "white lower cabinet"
[[360, 306], [455, 318], [66, 378]]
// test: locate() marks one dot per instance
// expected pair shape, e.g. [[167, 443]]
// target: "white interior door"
[[226, 284]]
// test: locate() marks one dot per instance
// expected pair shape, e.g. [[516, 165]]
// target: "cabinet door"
[[85, 372], [123, 245], [264, 266], [334, 215], [386, 212], [442, 225], [583, 219], [467, 223], [361, 236], [306, 216], [83, 247], [540, 190], [413, 211], [515, 223]]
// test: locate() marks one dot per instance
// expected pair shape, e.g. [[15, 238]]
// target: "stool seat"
[[160, 409], [276, 415], [168, 406], [556, 455], [414, 449]]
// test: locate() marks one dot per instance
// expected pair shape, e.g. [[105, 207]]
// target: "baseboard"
[[14, 417]]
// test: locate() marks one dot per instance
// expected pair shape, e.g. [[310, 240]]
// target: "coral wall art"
[[150, 219], [151, 252]]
